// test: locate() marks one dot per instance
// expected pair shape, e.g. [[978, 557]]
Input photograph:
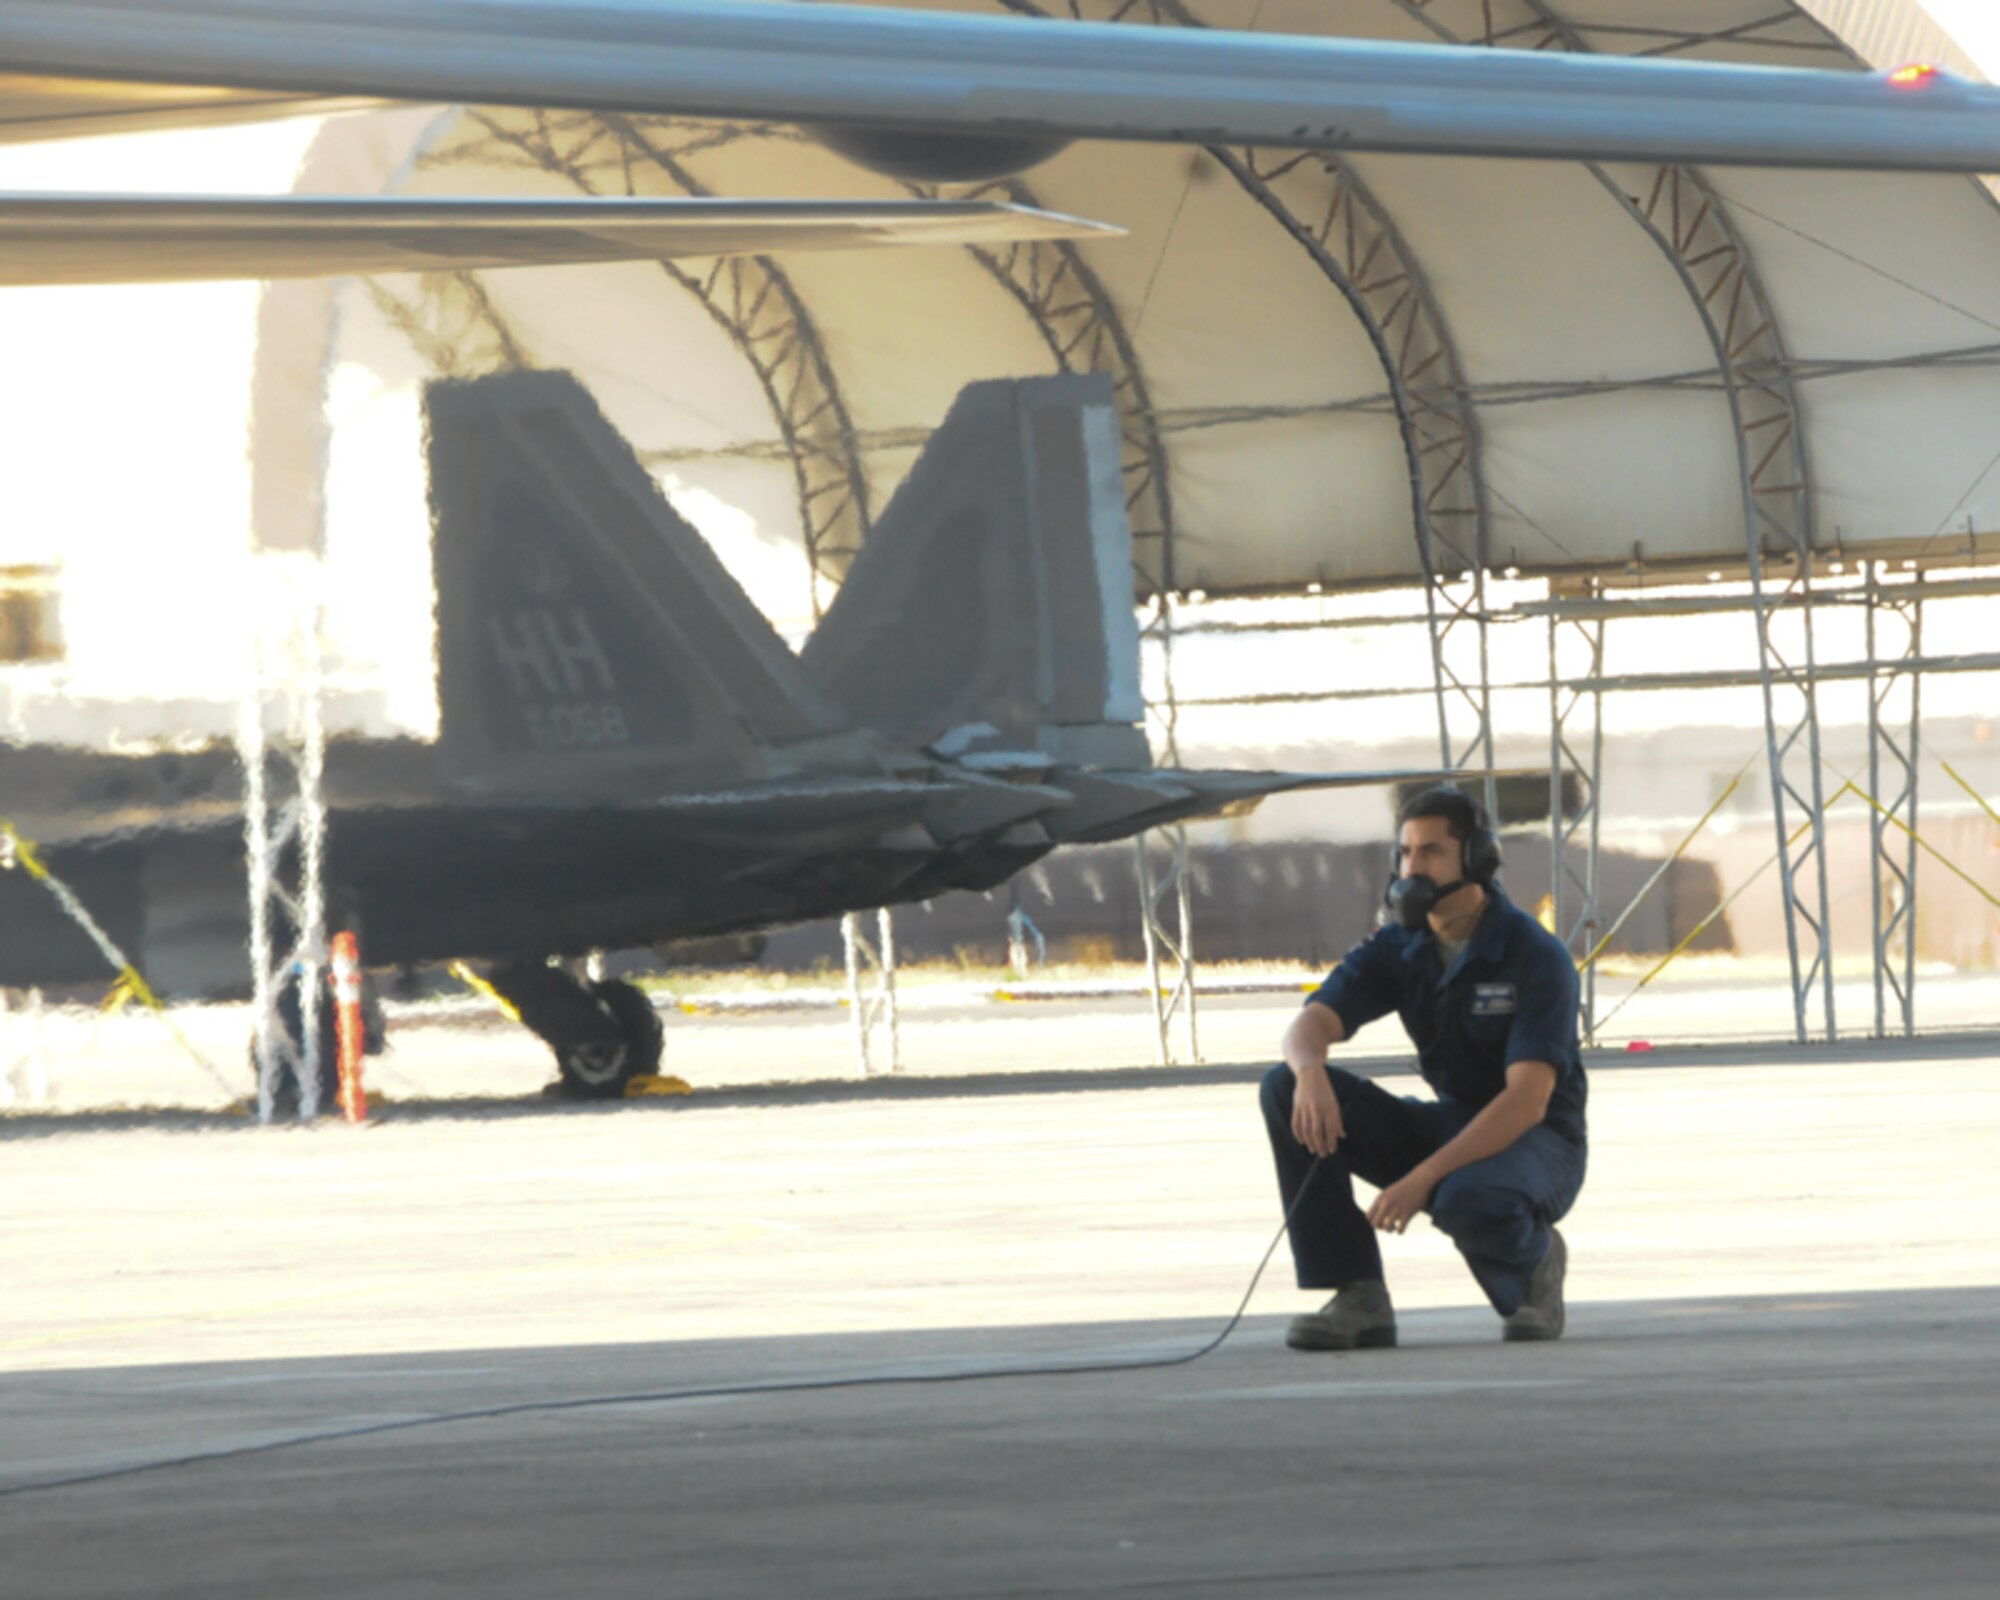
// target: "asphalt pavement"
[[479, 1354]]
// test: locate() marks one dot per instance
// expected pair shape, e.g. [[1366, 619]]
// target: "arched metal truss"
[[1524, 25], [1777, 522], [452, 324], [1690, 223], [752, 299], [1085, 332], [1324, 206]]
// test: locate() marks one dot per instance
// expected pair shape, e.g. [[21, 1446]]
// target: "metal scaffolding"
[[1167, 874], [1888, 604], [281, 741], [1573, 883], [871, 990], [1894, 702]]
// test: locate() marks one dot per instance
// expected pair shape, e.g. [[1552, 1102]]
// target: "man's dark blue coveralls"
[[1510, 996]]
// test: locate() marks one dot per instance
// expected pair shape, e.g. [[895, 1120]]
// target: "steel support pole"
[[1791, 715], [285, 827], [1894, 697], [1172, 992], [1174, 997], [873, 1006], [1573, 884], [1021, 933]]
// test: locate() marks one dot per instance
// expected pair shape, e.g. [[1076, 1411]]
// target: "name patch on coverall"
[[1494, 1000]]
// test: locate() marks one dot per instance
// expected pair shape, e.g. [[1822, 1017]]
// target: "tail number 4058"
[[575, 726]]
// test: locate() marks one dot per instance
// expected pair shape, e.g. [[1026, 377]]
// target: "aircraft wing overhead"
[[78, 239], [1009, 78], [34, 108]]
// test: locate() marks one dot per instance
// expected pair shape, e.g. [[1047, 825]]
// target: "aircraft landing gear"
[[604, 1034]]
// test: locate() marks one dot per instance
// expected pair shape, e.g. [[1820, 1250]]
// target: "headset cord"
[[524, 1408]]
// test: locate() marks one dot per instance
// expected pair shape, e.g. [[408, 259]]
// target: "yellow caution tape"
[[1680, 850], [1702, 926], [1847, 788], [1929, 849], [24, 851], [473, 981], [1978, 798], [129, 982]]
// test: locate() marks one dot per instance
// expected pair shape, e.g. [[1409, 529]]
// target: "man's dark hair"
[[1464, 815], [1479, 845]]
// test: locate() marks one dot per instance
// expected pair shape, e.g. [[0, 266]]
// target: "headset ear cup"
[[1482, 855]]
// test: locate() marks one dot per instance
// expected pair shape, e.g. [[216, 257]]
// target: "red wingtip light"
[[1915, 76]]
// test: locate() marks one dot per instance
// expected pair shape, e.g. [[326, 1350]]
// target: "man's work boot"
[[1541, 1314], [1358, 1317]]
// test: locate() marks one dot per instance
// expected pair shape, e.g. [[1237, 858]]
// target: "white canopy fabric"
[[1332, 371]]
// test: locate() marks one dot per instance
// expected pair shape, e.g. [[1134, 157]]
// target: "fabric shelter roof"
[[1331, 372]]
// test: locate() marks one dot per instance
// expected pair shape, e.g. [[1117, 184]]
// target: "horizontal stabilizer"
[[1116, 805], [82, 239], [992, 600], [587, 635]]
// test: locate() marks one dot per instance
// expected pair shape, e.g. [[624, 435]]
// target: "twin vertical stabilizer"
[[993, 600], [587, 633]]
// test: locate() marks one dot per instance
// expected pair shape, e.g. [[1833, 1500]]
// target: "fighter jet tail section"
[[992, 603], [588, 638]]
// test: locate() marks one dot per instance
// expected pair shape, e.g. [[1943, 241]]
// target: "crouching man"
[[1489, 999]]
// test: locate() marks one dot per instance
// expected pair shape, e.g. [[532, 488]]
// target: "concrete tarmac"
[[247, 1362]]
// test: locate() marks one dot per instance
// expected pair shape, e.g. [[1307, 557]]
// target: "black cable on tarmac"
[[526, 1408]]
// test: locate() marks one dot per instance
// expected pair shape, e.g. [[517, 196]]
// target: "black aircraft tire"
[[601, 1071]]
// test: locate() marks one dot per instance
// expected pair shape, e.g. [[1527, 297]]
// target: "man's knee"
[[1276, 1093], [1477, 1215]]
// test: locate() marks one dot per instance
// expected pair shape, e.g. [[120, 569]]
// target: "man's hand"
[[1316, 1113], [1397, 1206]]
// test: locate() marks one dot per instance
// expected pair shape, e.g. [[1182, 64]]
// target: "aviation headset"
[[1409, 900]]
